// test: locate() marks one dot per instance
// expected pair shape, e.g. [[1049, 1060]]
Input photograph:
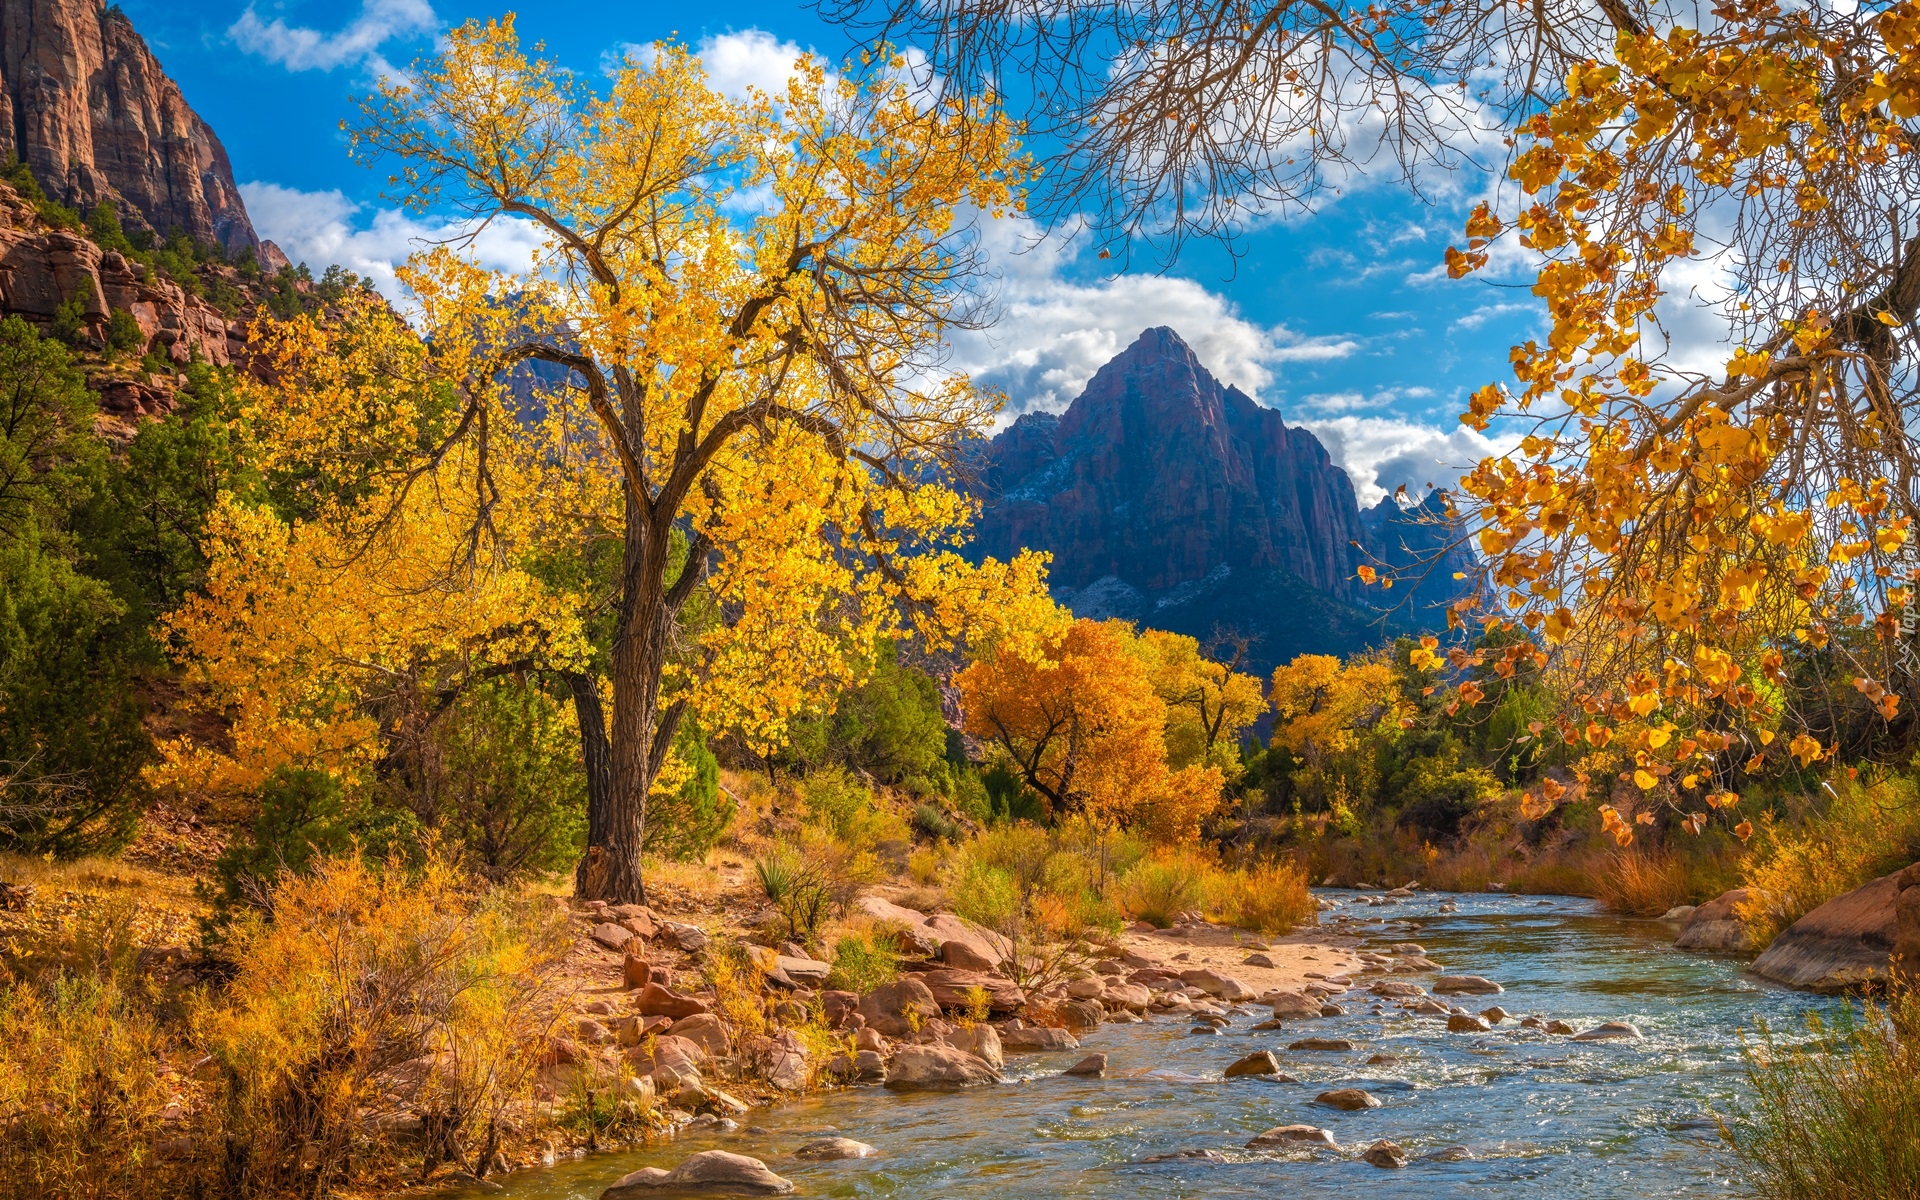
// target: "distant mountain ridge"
[[1171, 499]]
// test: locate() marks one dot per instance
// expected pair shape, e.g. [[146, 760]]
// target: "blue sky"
[[1339, 318]]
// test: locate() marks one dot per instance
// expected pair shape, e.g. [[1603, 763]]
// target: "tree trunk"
[[598, 756]]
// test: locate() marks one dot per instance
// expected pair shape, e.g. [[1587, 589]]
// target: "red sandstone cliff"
[[85, 104]]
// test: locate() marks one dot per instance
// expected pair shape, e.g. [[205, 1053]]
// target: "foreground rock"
[[1294, 1135], [1260, 1062], [1038, 1037], [834, 1148], [1715, 925], [1348, 1099], [938, 1066], [1610, 1031], [714, 1171], [1384, 1153], [1847, 942]]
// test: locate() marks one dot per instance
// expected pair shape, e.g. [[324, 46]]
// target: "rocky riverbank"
[[675, 1050]]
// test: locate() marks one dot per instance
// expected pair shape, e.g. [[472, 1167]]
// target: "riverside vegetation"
[[377, 715]]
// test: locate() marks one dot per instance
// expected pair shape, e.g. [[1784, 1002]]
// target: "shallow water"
[[1544, 1117]]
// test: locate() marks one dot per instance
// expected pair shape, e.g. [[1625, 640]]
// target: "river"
[[1544, 1117]]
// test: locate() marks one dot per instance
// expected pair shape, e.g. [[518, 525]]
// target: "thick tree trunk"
[[598, 756]]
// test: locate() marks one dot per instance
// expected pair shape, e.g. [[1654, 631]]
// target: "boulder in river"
[[1384, 1153], [981, 1041], [1321, 1044], [1469, 985], [1847, 942], [1037, 1037], [1092, 1066], [937, 1066], [1260, 1062], [1715, 925], [829, 1149], [1397, 987], [1294, 1135], [1213, 983], [1559, 1027], [708, 1171], [1348, 1099], [1467, 1023], [1291, 1005], [1625, 1030]]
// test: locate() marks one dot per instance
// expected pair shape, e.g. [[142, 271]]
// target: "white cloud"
[[323, 228], [736, 63], [301, 49], [1487, 312], [1053, 332], [1381, 453]]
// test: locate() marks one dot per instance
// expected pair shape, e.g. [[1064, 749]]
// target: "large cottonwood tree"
[[740, 306]]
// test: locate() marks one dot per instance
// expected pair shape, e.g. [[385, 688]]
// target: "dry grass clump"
[[1644, 883], [1867, 828], [1270, 896], [374, 996], [1836, 1117]]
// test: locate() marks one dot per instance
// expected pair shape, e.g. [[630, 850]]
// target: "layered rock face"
[[1168, 498], [86, 105]]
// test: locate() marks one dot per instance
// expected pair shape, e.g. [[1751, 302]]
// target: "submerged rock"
[[708, 1171], [1610, 1031], [1186, 1156], [833, 1148], [1294, 1135], [1321, 1044], [1470, 985], [1464, 1023]]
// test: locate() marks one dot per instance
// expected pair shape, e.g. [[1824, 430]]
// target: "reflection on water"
[[1543, 1117]]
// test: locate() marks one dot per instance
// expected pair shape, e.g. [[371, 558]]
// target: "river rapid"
[[1544, 1117]]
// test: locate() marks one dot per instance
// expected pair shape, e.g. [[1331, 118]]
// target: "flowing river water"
[[1544, 1117]]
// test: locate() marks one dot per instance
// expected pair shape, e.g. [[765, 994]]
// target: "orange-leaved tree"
[[1078, 719], [739, 442], [1682, 530], [1320, 707]]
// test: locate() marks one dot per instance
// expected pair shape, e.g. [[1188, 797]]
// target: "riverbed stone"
[[1384, 1153], [1131, 997], [1716, 925], [981, 1041], [707, 1171], [1080, 1014], [1348, 1099], [1315, 1043], [1496, 1014], [1625, 1030], [937, 1066], [1213, 983], [1196, 1155], [1260, 1062], [1294, 1135], [1396, 988], [1037, 1038], [1292, 1005], [1466, 1023], [1469, 985], [832, 1149], [1679, 912], [1092, 1066], [1450, 1154], [1560, 1027]]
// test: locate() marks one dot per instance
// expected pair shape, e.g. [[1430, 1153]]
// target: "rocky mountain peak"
[[1170, 498], [84, 103]]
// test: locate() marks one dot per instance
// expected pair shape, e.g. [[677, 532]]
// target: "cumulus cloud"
[[1381, 453], [302, 49], [324, 228], [1055, 330], [736, 62]]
